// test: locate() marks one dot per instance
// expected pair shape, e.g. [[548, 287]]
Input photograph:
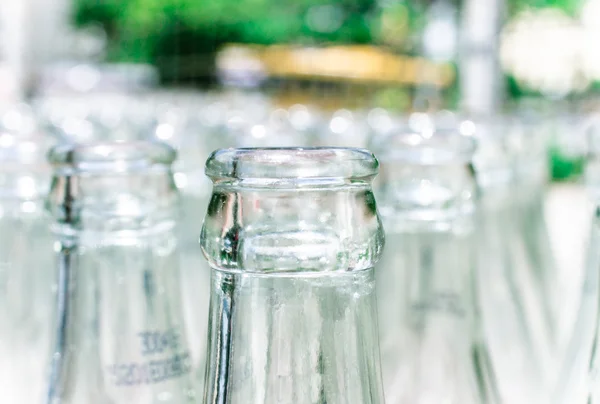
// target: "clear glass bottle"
[[120, 334], [26, 280], [292, 236], [529, 145], [431, 338], [194, 141], [579, 381], [345, 128], [519, 322]]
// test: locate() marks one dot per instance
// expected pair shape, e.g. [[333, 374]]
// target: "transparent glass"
[[194, 140], [26, 280], [580, 376], [120, 335], [275, 131], [346, 129], [432, 347], [585, 350], [520, 325], [530, 146], [292, 236]]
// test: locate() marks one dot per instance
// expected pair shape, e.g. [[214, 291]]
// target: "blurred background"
[[205, 74], [86, 65], [476, 56]]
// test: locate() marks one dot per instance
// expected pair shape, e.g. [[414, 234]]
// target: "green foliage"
[[565, 168], [144, 30], [569, 6]]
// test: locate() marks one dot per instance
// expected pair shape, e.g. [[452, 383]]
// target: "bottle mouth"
[[111, 157], [272, 166], [441, 147]]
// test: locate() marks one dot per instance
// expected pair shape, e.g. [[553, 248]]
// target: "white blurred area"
[[569, 213], [37, 39], [32, 33], [552, 52]]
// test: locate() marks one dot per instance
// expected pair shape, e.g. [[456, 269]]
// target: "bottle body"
[[124, 340], [278, 339], [581, 368], [515, 266], [514, 302], [578, 374], [195, 281], [432, 350], [120, 336], [27, 278], [26, 295], [432, 344], [292, 237]]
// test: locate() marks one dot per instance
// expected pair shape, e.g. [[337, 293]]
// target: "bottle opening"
[[103, 157], [271, 166]]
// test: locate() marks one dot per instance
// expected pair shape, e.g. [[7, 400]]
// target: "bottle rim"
[[306, 165], [111, 157]]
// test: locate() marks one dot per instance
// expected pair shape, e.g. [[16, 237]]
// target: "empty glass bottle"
[[193, 142], [515, 281], [529, 145], [292, 236], [579, 380], [345, 128], [431, 337], [120, 335], [26, 279]]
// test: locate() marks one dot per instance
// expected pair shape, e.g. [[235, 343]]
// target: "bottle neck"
[[319, 229], [115, 202], [424, 198], [300, 339], [120, 335]]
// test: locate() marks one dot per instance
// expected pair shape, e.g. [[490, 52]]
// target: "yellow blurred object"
[[345, 63]]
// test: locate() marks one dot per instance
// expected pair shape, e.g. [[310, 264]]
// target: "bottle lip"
[[111, 157], [437, 148], [304, 165]]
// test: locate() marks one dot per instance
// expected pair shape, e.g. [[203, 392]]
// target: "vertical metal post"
[[481, 84], [12, 23], [33, 31]]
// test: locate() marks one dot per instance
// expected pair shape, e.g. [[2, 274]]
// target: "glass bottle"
[[529, 144], [120, 335], [26, 280], [431, 337], [579, 380], [518, 319], [292, 236], [193, 142], [345, 128]]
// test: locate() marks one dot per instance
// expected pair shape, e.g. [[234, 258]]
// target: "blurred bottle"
[[519, 323], [306, 120], [344, 129], [120, 335], [276, 130], [27, 281], [194, 138], [579, 379], [292, 236], [529, 144], [432, 347]]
